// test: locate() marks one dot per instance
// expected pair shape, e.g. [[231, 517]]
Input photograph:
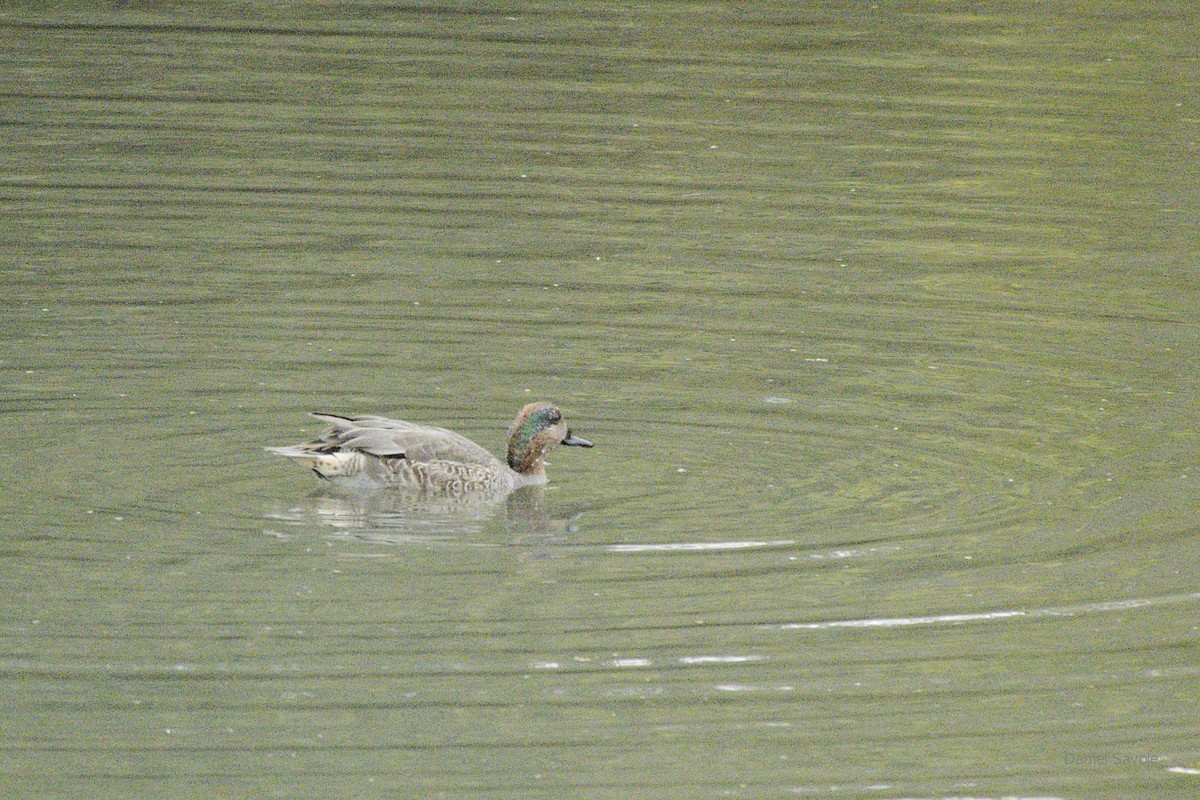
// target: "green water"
[[882, 319]]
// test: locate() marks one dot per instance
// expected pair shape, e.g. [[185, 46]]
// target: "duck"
[[369, 451]]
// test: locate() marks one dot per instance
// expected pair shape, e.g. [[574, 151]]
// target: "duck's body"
[[374, 452]]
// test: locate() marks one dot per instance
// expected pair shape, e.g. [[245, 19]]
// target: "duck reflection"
[[398, 517]]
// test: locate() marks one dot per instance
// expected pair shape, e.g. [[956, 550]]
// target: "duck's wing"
[[396, 438]]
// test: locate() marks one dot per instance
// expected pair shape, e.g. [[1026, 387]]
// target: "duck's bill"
[[576, 441]]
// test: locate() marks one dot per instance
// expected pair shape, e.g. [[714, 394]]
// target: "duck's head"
[[537, 430]]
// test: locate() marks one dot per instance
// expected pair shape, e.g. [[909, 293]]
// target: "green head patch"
[[522, 436]]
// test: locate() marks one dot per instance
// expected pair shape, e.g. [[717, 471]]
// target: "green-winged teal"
[[372, 451]]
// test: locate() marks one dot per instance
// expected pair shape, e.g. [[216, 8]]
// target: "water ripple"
[[986, 616]]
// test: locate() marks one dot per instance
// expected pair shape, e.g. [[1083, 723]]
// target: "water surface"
[[883, 320]]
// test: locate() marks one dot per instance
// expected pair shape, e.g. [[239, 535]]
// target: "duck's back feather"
[[393, 438]]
